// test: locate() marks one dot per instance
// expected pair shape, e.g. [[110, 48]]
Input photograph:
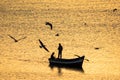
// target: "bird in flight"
[[114, 10], [57, 34], [48, 23], [16, 40], [43, 46]]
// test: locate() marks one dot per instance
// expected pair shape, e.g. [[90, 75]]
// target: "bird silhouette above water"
[[48, 23], [43, 46], [16, 40], [57, 34], [114, 10], [97, 48]]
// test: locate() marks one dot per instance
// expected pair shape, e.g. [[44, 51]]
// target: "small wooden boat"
[[75, 62]]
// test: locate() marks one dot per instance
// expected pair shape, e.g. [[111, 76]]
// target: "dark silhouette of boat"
[[70, 63]]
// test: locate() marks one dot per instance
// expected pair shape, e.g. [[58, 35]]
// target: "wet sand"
[[89, 28]]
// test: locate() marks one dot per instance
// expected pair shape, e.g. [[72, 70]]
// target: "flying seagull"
[[57, 34], [96, 48], [114, 10], [43, 46], [47, 23], [16, 40]]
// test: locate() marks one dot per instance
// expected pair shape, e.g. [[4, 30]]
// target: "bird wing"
[[22, 38], [43, 45], [45, 48], [47, 23], [12, 37]]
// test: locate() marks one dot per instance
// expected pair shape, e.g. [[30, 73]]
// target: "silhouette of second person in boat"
[[52, 56], [60, 48]]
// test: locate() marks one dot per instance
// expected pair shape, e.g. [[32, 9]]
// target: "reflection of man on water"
[[60, 48]]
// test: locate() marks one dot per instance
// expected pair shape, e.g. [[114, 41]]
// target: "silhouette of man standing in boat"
[[60, 48]]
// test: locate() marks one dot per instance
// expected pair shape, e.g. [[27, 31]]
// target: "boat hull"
[[76, 62]]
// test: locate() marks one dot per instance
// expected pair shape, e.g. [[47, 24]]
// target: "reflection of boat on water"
[[75, 63], [67, 67]]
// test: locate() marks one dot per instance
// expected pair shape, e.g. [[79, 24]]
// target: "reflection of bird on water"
[[48, 23], [43, 46], [16, 40]]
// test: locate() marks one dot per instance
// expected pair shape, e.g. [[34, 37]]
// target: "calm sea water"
[[89, 28]]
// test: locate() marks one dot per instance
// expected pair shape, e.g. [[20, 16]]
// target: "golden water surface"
[[85, 27]]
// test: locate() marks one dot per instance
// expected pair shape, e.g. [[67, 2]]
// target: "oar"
[[87, 59], [77, 55], [84, 59]]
